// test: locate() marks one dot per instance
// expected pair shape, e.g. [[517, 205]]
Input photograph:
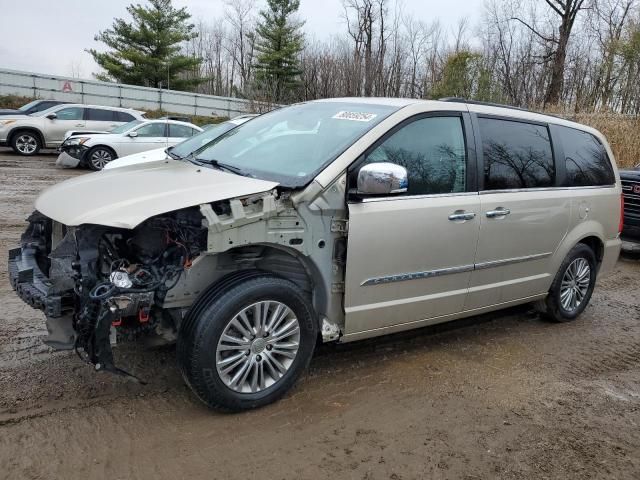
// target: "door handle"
[[498, 212], [461, 215], [79, 124]]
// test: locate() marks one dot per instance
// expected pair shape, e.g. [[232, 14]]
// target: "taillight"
[[621, 224]]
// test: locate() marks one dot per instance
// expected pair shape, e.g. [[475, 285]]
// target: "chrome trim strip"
[[509, 261], [544, 189], [402, 277], [415, 197], [416, 275]]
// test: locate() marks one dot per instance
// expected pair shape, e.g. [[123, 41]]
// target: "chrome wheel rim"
[[26, 144], [258, 347], [575, 284], [100, 158]]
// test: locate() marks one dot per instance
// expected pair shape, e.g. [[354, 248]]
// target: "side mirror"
[[52, 116], [132, 134], [382, 179]]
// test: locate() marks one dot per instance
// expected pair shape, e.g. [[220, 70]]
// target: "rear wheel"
[[573, 285], [247, 344], [26, 142], [99, 156]]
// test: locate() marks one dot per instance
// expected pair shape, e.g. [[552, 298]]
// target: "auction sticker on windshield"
[[355, 116]]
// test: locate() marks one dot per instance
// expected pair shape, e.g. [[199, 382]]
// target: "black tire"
[[106, 155], [552, 306], [26, 142], [207, 320]]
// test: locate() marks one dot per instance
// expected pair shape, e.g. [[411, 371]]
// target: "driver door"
[[69, 118], [410, 256]]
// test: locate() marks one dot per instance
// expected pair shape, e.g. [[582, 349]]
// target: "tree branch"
[[546, 39]]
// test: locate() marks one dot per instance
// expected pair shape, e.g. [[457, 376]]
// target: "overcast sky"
[[50, 36]]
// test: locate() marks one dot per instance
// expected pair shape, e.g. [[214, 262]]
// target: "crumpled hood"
[[125, 197]]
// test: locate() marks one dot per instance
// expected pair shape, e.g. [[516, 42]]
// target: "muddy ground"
[[501, 396]]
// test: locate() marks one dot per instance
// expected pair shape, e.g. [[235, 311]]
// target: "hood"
[[125, 197], [6, 111], [142, 157]]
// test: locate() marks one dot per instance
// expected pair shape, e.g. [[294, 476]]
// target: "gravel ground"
[[500, 396]]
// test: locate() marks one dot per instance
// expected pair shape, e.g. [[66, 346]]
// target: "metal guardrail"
[[94, 92]]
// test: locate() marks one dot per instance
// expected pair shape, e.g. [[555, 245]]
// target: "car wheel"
[[573, 285], [245, 343], [26, 143], [98, 157]]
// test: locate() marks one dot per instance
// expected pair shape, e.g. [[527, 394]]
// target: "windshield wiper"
[[220, 165], [169, 152]]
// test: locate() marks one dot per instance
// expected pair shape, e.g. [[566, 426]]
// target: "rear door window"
[[181, 131], [123, 117], [516, 155], [100, 115], [586, 161]]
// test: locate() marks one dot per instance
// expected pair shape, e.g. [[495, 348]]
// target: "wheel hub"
[[258, 345]]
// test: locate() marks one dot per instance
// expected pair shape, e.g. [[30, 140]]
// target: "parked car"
[[27, 134], [183, 149], [97, 150], [631, 193], [32, 107], [336, 220]]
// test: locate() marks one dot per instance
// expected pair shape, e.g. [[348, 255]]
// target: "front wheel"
[[26, 142], [98, 157], [247, 344], [573, 285]]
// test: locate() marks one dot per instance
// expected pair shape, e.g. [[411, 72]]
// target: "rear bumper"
[[610, 256]]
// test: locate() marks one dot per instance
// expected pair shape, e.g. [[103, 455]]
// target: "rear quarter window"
[[123, 117], [586, 161]]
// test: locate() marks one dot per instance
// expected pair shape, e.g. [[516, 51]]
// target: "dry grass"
[[622, 132], [13, 101]]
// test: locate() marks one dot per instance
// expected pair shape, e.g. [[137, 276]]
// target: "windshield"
[[125, 127], [26, 107], [197, 141], [292, 144]]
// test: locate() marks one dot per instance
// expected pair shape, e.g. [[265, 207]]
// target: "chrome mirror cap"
[[382, 179]]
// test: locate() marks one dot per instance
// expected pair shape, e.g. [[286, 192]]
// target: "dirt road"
[[501, 396]]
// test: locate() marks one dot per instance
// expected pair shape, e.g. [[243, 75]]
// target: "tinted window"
[[586, 160], [123, 117], [151, 130], [100, 115], [180, 131], [433, 152], [71, 113], [516, 155]]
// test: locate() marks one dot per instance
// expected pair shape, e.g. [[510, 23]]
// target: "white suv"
[[27, 134]]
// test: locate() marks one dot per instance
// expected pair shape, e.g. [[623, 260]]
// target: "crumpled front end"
[[90, 279]]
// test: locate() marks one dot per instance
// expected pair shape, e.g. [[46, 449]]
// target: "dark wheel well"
[[104, 147], [596, 246], [17, 130]]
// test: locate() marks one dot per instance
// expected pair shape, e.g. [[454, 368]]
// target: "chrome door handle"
[[461, 215], [498, 212]]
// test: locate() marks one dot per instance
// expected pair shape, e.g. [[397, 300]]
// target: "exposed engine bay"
[[103, 277]]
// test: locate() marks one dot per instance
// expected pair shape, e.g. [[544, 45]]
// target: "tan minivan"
[[332, 220]]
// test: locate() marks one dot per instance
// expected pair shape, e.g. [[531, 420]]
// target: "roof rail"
[[488, 104]]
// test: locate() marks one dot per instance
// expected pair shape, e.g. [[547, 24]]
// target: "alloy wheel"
[[575, 284], [26, 144], [99, 158], [258, 346]]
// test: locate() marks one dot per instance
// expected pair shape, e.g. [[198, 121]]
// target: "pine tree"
[[278, 44], [146, 51]]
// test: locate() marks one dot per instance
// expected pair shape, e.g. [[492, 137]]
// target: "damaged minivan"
[[327, 221]]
